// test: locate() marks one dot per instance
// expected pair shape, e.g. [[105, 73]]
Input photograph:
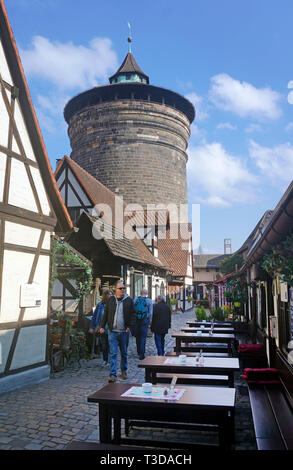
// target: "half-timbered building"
[[92, 206], [31, 208]]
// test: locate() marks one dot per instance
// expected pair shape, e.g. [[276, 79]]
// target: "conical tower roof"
[[129, 71]]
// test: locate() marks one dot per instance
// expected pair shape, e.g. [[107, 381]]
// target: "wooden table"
[[189, 329], [212, 365], [217, 324], [198, 405], [203, 338]]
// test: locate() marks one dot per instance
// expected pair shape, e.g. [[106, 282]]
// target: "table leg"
[[231, 379], [117, 430], [148, 375], [227, 431], [104, 423], [178, 345]]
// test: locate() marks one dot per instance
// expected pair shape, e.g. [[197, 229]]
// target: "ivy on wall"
[[73, 268], [280, 260]]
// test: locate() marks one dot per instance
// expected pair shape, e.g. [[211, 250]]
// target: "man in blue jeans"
[[119, 315], [143, 307]]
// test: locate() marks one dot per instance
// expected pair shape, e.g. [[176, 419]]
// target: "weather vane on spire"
[[129, 39]]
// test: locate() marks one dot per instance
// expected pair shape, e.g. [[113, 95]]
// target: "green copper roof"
[[129, 71]]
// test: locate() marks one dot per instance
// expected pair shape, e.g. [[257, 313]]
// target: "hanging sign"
[[283, 291], [30, 295]]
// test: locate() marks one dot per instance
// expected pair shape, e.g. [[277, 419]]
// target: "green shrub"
[[217, 314], [200, 313]]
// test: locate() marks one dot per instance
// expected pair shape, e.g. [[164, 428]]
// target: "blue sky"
[[232, 59]]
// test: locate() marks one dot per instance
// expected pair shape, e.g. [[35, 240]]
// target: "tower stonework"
[[132, 136]]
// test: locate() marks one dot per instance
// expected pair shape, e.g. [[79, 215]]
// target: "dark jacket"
[[161, 321], [109, 312]]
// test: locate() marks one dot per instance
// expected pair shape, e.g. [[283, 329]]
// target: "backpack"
[[141, 307]]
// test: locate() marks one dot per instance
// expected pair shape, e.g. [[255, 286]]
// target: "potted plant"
[[200, 313]]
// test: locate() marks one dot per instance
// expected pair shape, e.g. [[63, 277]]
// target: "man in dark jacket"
[[161, 322], [119, 315]]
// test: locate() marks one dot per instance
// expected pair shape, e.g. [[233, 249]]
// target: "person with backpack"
[[143, 307]]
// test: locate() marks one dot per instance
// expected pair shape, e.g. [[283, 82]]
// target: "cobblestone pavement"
[[50, 414]]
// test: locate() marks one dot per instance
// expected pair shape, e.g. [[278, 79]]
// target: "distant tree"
[[228, 265]]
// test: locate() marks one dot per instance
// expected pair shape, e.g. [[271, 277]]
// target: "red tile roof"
[[99, 194]]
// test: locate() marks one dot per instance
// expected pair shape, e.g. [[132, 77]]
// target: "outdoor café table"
[[203, 338], [189, 329], [197, 405], [172, 365], [217, 324]]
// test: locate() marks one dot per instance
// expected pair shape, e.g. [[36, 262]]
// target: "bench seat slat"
[[193, 379], [263, 417], [282, 411], [269, 444]]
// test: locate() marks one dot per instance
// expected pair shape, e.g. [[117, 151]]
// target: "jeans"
[[141, 331], [160, 344], [105, 346], [116, 339]]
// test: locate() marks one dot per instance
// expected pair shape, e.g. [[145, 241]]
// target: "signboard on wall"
[[30, 295], [283, 291]]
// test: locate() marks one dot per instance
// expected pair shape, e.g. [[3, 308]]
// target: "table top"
[[189, 329], [231, 363], [205, 336], [194, 396]]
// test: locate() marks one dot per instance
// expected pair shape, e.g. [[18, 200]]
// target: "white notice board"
[[30, 295]]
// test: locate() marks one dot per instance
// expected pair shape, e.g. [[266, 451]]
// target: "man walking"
[[119, 315], [143, 307], [161, 323]]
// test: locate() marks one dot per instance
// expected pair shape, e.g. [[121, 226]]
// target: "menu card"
[[157, 392]]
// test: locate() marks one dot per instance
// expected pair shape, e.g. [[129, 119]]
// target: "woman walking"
[[95, 325], [161, 322]]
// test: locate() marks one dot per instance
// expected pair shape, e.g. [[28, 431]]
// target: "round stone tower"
[[132, 136]]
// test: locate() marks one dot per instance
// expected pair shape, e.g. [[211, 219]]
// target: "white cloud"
[[226, 125], [253, 128], [289, 127], [200, 110], [244, 99], [218, 178], [69, 66], [275, 163], [49, 111]]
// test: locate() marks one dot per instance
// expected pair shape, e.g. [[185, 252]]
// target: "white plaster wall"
[[20, 191], [19, 234], [6, 337], [42, 278], [3, 159], [22, 130], [30, 347], [4, 69], [16, 271], [78, 189], [72, 200], [4, 119], [41, 190]]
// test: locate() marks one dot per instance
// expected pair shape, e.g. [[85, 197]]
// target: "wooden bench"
[[206, 347], [272, 417], [194, 379], [81, 445]]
